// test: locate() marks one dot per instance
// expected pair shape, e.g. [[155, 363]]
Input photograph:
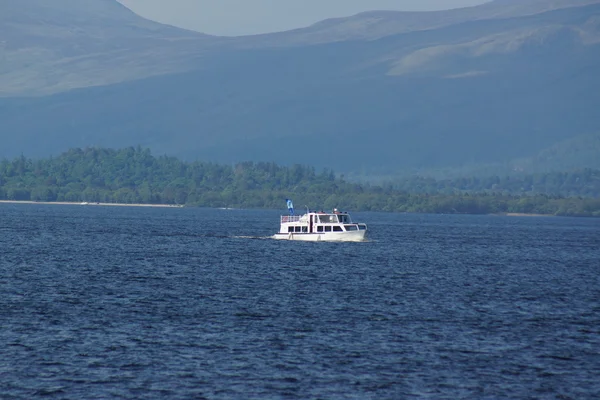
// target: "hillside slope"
[[53, 46]]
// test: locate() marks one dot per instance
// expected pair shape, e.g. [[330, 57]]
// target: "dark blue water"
[[101, 302]]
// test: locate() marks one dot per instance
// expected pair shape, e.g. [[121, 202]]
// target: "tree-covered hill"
[[134, 175]]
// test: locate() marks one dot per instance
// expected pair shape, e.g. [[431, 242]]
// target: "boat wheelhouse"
[[321, 226]]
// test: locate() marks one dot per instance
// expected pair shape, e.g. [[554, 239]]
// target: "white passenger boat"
[[321, 226]]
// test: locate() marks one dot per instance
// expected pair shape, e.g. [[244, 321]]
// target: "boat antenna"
[[307, 210]]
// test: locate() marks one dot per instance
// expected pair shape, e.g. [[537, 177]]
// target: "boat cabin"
[[319, 222]]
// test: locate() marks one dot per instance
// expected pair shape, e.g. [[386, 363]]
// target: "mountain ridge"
[[478, 91], [84, 43], [372, 25]]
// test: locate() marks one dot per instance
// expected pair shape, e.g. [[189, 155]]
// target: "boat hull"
[[353, 236]]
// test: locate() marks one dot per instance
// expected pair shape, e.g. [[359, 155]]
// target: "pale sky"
[[245, 17]]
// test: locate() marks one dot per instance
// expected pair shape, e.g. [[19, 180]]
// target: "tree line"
[[134, 175]]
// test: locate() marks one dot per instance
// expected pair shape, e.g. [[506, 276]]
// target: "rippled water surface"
[[111, 302]]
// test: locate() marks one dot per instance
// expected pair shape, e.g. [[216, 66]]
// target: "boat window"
[[290, 229], [328, 229], [344, 219], [351, 227], [319, 229], [305, 229], [327, 219], [297, 228], [362, 227], [337, 229]]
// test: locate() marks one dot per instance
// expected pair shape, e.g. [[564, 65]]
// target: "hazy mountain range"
[[378, 91]]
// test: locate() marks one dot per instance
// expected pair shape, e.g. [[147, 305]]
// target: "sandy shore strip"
[[67, 203], [510, 214], [528, 215]]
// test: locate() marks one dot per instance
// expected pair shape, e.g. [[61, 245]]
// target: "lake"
[[123, 302]]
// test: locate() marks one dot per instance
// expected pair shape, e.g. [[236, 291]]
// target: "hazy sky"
[[243, 17]]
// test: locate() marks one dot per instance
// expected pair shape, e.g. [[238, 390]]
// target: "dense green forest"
[[134, 175]]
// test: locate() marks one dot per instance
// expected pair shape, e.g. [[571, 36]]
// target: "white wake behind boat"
[[320, 226]]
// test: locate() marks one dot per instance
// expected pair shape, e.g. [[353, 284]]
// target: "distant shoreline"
[[72, 203], [524, 215]]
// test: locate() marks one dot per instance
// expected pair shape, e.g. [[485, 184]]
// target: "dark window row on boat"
[[298, 229]]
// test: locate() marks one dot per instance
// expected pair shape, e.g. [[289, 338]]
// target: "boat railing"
[[290, 218]]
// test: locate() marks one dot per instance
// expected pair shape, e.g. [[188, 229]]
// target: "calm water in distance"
[[115, 302]]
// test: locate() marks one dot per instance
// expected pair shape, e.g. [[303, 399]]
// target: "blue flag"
[[290, 206]]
